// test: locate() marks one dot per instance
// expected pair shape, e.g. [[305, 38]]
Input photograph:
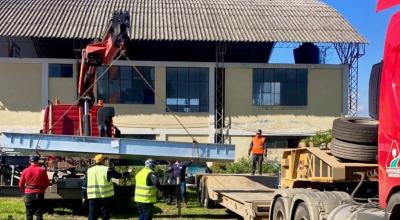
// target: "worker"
[[179, 171], [258, 150], [170, 180], [146, 189], [33, 183], [98, 188]]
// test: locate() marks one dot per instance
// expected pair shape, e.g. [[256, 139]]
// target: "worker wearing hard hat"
[[258, 149], [98, 188], [33, 183], [145, 189]]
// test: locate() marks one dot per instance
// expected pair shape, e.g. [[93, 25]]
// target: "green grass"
[[14, 209]]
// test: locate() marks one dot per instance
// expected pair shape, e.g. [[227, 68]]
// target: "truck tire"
[[301, 212], [393, 206], [354, 152], [208, 203], [278, 213], [356, 130], [374, 90]]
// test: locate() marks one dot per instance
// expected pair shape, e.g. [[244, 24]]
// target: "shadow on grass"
[[191, 216]]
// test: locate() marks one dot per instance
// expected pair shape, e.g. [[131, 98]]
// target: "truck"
[[354, 177]]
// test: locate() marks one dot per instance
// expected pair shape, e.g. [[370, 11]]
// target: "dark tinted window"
[[281, 87], [187, 89], [60, 70], [121, 84]]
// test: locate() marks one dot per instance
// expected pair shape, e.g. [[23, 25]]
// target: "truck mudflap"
[[315, 204]]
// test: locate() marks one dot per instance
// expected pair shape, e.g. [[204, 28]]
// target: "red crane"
[[86, 117]]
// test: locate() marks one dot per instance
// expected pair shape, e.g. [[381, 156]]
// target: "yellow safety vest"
[[143, 192], [97, 184]]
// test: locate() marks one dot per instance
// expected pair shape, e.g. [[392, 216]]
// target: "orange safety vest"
[[258, 145]]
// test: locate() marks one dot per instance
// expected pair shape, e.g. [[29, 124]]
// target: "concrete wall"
[[185, 138], [25, 89], [64, 89], [20, 96], [325, 102]]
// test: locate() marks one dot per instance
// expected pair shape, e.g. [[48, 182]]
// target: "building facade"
[[306, 100], [287, 101]]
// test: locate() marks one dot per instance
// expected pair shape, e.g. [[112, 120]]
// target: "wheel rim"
[[280, 215]]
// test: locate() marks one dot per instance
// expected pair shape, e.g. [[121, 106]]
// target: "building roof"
[[178, 20]]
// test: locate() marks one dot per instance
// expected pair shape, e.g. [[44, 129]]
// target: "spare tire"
[[374, 87], [356, 130], [354, 152]]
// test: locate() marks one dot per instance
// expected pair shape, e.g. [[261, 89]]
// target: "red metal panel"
[[389, 115], [385, 4], [65, 122]]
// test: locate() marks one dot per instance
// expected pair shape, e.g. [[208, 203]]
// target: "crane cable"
[[194, 146], [77, 102]]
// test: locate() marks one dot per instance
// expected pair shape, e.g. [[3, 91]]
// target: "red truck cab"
[[389, 120]]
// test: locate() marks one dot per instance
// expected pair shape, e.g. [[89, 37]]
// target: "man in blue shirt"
[[179, 170]]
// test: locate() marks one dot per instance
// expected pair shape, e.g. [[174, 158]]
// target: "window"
[[280, 87], [187, 89], [60, 70], [122, 85]]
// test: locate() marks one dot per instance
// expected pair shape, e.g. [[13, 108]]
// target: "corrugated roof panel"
[[197, 20]]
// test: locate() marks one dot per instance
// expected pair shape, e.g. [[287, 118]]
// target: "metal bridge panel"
[[114, 147]]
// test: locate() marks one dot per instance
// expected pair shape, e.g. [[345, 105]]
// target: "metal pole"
[[178, 196], [12, 174], [86, 118]]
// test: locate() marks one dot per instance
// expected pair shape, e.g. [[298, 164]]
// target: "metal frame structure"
[[219, 123], [311, 165], [350, 53], [115, 148]]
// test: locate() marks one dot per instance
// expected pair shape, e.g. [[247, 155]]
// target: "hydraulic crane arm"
[[103, 52]]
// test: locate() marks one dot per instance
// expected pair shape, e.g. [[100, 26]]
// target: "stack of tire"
[[355, 139]]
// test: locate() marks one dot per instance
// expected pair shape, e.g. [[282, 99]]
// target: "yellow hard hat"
[[98, 158]]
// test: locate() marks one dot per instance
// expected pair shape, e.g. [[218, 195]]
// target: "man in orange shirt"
[[258, 149], [33, 184]]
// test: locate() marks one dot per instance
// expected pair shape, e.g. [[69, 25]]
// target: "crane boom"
[[103, 52], [85, 117]]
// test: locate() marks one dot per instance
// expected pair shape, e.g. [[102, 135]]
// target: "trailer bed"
[[246, 195]]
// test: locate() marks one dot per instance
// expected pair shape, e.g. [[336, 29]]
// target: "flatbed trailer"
[[308, 175], [246, 195]]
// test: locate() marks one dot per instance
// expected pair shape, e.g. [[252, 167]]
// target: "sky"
[[372, 26]]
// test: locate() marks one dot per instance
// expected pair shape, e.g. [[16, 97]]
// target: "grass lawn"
[[14, 209]]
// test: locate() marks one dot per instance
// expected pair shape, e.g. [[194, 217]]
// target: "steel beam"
[[120, 148]]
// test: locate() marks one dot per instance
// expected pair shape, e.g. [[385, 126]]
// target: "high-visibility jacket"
[[143, 192], [258, 145], [98, 185]]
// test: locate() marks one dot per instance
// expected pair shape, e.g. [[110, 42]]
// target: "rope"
[[77, 102], [194, 146], [160, 98]]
